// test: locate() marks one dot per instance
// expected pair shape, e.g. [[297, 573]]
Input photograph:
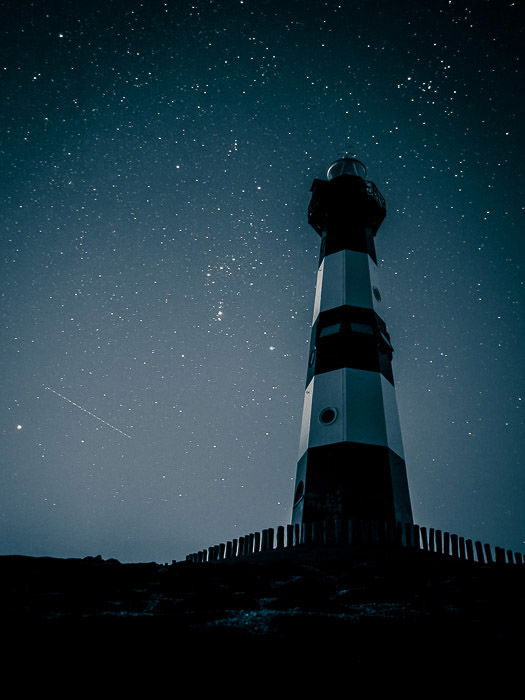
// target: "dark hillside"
[[371, 604]]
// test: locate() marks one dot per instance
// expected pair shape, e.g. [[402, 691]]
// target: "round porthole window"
[[328, 415]]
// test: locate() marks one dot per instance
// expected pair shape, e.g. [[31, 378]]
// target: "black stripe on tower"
[[349, 480], [346, 212], [350, 336]]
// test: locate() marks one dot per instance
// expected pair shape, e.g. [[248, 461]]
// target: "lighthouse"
[[351, 463]]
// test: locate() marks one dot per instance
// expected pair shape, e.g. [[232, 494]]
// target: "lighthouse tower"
[[351, 463]]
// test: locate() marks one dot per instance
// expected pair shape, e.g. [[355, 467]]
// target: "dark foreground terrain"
[[366, 606]]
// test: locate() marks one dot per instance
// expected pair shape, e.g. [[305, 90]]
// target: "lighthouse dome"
[[346, 166]]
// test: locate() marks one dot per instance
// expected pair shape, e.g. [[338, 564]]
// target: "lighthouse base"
[[350, 481]]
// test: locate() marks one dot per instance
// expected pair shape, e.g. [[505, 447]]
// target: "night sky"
[[159, 272]]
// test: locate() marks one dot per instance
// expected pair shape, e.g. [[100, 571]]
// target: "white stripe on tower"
[[347, 278], [365, 406]]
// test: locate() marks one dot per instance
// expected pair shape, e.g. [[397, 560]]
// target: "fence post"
[[307, 533], [251, 540], [446, 543], [417, 540], [240, 550], [257, 542], [289, 536], [317, 533], [228, 552], [424, 539], [313, 531], [499, 553], [479, 552], [510, 556], [454, 545], [397, 534], [298, 534], [431, 542], [264, 541], [270, 538], [518, 557], [280, 537], [439, 541], [462, 553], [488, 553], [407, 535], [470, 550], [222, 548]]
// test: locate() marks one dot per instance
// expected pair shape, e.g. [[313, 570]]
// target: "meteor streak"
[[88, 412]]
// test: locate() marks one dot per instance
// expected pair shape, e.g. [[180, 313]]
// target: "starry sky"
[[158, 271]]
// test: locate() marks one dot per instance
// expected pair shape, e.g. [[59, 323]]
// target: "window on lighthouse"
[[330, 330], [362, 328]]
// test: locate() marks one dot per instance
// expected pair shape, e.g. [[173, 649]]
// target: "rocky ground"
[[363, 605]]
